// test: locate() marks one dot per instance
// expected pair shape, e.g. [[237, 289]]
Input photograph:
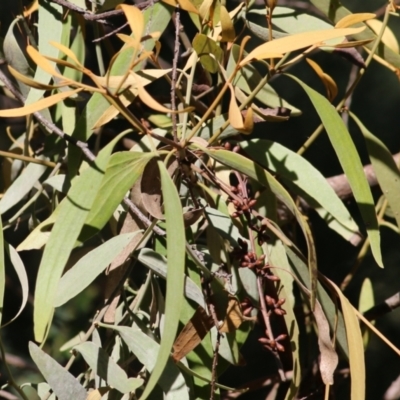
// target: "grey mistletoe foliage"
[[137, 174]]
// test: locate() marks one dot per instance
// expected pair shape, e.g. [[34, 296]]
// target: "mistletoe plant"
[[192, 223]]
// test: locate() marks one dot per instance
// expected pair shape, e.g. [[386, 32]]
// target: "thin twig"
[[214, 366], [82, 145], [383, 308], [175, 73]]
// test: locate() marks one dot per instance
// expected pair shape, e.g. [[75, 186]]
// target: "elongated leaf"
[[158, 264], [39, 105], [19, 268], [156, 18], [350, 162], [2, 271], [21, 186], [72, 213], [385, 168], [175, 274], [147, 350], [49, 28], [295, 42], [122, 171], [356, 348], [106, 368], [86, 270], [294, 169], [335, 11], [254, 171], [64, 385]]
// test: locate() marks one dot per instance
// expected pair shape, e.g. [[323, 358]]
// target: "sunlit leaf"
[[350, 162], [227, 29], [135, 20], [353, 19], [63, 384], [329, 83], [85, 271], [39, 105], [175, 275], [276, 48]]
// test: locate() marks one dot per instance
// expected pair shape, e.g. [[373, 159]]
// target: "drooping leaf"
[[85, 271], [21, 186], [175, 274], [106, 368], [385, 168], [350, 161], [147, 350], [123, 170], [158, 264], [72, 213], [286, 163], [356, 348], [209, 52], [2, 272], [63, 384], [19, 268]]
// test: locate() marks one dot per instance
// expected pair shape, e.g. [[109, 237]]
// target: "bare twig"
[[383, 308], [214, 366], [175, 73]]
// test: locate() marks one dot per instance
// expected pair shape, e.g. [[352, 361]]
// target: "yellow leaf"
[[353, 43], [227, 29], [42, 62], [235, 116], [204, 9], [136, 21], [388, 38], [249, 121], [67, 52], [155, 105], [34, 6], [353, 19], [329, 83], [32, 83], [276, 48], [183, 4], [39, 105]]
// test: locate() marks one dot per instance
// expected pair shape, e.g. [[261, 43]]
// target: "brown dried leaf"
[[192, 334], [151, 190]]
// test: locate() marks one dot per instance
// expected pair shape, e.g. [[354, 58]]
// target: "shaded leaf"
[[2, 272], [106, 368], [385, 168], [158, 264], [146, 350], [64, 385], [209, 52]]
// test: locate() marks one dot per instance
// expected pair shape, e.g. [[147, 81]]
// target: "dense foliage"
[[158, 238]]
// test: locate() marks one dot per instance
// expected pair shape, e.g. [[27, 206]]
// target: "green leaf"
[[147, 351], [49, 29], [355, 344], [350, 162], [158, 264], [19, 268], [72, 213], [2, 272], [106, 368], [175, 274], [251, 169], [123, 170], [86, 270], [22, 186], [204, 46], [385, 168], [296, 171], [63, 384]]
